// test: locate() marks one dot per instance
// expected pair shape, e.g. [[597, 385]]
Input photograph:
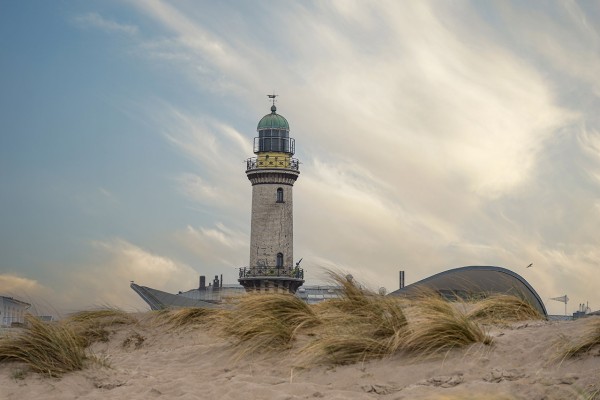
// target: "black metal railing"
[[272, 162], [259, 272]]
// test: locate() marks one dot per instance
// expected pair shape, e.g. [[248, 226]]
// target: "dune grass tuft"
[[106, 316], [47, 348], [352, 297], [188, 317], [437, 326], [358, 305], [347, 347], [357, 326], [265, 321], [586, 342], [92, 326], [503, 308]]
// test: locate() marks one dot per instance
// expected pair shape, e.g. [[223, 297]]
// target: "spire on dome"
[[272, 97]]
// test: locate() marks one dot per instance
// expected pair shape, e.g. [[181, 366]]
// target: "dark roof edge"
[[17, 301], [483, 268]]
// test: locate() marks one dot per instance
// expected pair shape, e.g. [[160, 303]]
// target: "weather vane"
[[272, 97]]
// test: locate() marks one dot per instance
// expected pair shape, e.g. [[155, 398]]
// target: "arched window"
[[279, 195], [279, 260]]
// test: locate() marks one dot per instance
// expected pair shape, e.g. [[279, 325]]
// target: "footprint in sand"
[[443, 381], [499, 375]]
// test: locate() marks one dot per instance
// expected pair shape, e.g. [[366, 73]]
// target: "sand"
[[157, 363]]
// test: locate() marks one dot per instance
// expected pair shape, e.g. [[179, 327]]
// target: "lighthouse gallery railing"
[[256, 272]]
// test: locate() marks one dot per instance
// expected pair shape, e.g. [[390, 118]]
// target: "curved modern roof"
[[273, 121], [476, 280]]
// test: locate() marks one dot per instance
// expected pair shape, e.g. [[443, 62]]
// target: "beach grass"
[[358, 326], [104, 316], [437, 325], [52, 349], [186, 317], [92, 326], [265, 322], [502, 308], [361, 325], [589, 339]]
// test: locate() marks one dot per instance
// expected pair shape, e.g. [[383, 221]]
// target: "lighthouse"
[[272, 173]]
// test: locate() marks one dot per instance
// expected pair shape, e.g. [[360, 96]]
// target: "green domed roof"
[[273, 120]]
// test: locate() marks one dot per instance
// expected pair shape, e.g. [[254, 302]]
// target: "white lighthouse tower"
[[272, 173]]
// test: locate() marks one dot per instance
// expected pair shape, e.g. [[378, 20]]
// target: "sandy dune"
[[147, 362]]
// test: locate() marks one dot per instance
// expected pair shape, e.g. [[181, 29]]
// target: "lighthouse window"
[[279, 195], [279, 260]]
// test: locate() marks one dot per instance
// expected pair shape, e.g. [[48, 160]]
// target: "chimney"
[[202, 282], [401, 279]]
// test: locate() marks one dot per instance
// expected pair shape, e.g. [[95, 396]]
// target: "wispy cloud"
[[216, 148], [118, 262], [13, 284], [97, 21], [216, 247], [104, 281]]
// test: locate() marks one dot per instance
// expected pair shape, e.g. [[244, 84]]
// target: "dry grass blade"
[[358, 326], [344, 348], [357, 301], [438, 326], [266, 321], [91, 325], [48, 348], [352, 296], [188, 316], [107, 316], [504, 308], [587, 341]]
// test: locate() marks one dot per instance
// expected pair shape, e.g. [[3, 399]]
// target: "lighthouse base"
[[271, 279]]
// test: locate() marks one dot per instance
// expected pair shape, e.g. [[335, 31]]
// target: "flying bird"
[[529, 266]]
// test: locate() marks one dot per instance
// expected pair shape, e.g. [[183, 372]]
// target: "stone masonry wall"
[[271, 226]]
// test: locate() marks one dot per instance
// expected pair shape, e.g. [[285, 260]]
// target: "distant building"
[[584, 311], [475, 282], [313, 294], [12, 311], [212, 295]]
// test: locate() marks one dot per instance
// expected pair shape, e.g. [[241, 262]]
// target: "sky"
[[431, 135]]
